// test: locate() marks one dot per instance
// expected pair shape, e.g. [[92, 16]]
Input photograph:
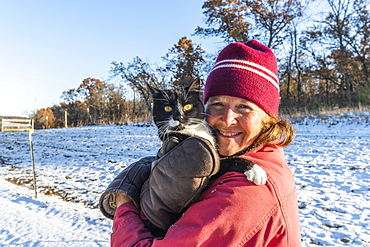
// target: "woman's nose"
[[229, 117]]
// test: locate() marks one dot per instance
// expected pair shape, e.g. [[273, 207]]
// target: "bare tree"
[[237, 20], [360, 40], [344, 34], [185, 61], [139, 75]]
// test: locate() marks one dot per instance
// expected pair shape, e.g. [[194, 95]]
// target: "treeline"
[[324, 60], [94, 102]]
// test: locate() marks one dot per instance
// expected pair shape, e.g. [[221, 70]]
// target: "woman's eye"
[[188, 107], [244, 108], [217, 104], [167, 108]]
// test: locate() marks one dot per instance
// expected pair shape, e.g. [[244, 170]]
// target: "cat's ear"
[[153, 90], [194, 85]]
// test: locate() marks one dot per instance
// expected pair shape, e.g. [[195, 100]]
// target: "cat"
[[180, 112]]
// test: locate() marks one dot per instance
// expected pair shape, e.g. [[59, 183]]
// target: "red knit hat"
[[249, 71]]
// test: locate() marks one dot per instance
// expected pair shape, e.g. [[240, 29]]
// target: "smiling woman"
[[242, 101]]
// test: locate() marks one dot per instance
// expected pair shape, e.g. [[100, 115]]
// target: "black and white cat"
[[181, 111]]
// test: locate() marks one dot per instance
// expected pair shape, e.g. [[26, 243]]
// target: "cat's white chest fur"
[[202, 130]]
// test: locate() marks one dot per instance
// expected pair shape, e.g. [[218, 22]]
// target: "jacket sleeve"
[[129, 229], [231, 210]]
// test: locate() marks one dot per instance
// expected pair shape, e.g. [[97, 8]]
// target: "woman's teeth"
[[228, 134]]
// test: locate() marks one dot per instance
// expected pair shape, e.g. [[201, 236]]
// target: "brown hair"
[[278, 132]]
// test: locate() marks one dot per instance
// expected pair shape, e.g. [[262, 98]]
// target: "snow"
[[330, 159]]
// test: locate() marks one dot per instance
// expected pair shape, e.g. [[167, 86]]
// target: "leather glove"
[[129, 183], [177, 179], [168, 144]]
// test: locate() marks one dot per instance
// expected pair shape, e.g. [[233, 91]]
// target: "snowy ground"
[[330, 158]]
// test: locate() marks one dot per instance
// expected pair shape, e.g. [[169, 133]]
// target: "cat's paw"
[[256, 175]]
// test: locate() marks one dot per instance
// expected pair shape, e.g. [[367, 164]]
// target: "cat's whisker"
[[206, 115], [163, 128], [162, 100]]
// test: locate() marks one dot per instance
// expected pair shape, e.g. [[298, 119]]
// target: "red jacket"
[[231, 211]]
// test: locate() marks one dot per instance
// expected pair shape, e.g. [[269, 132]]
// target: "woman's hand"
[[121, 199]]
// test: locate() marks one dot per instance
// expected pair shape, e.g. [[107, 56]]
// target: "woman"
[[242, 100]]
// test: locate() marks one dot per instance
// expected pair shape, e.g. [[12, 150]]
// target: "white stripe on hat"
[[258, 66], [231, 63]]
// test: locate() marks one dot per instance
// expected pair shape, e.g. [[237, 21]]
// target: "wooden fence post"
[[30, 131], [65, 119]]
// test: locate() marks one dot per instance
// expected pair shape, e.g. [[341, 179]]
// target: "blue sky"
[[47, 47]]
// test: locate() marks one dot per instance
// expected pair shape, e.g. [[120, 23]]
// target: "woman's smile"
[[228, 134], [237, 122]]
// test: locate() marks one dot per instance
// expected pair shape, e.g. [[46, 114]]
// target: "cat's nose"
[[181, 119]]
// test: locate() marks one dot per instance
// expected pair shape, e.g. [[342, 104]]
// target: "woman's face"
[[237, 122]]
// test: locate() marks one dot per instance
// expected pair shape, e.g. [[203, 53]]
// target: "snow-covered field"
[[330, 158]]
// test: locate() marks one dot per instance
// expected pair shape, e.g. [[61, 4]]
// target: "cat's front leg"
[[256, 175], [251, 170]]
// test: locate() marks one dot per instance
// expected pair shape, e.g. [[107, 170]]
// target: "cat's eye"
[[167, 108], [188, 107]]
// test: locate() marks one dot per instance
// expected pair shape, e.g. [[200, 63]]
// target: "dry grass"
[[289, 113], [65, 195], [331, 116]]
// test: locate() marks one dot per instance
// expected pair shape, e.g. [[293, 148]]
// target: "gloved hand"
[[129, 183], [177, 179], [168, 144]]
